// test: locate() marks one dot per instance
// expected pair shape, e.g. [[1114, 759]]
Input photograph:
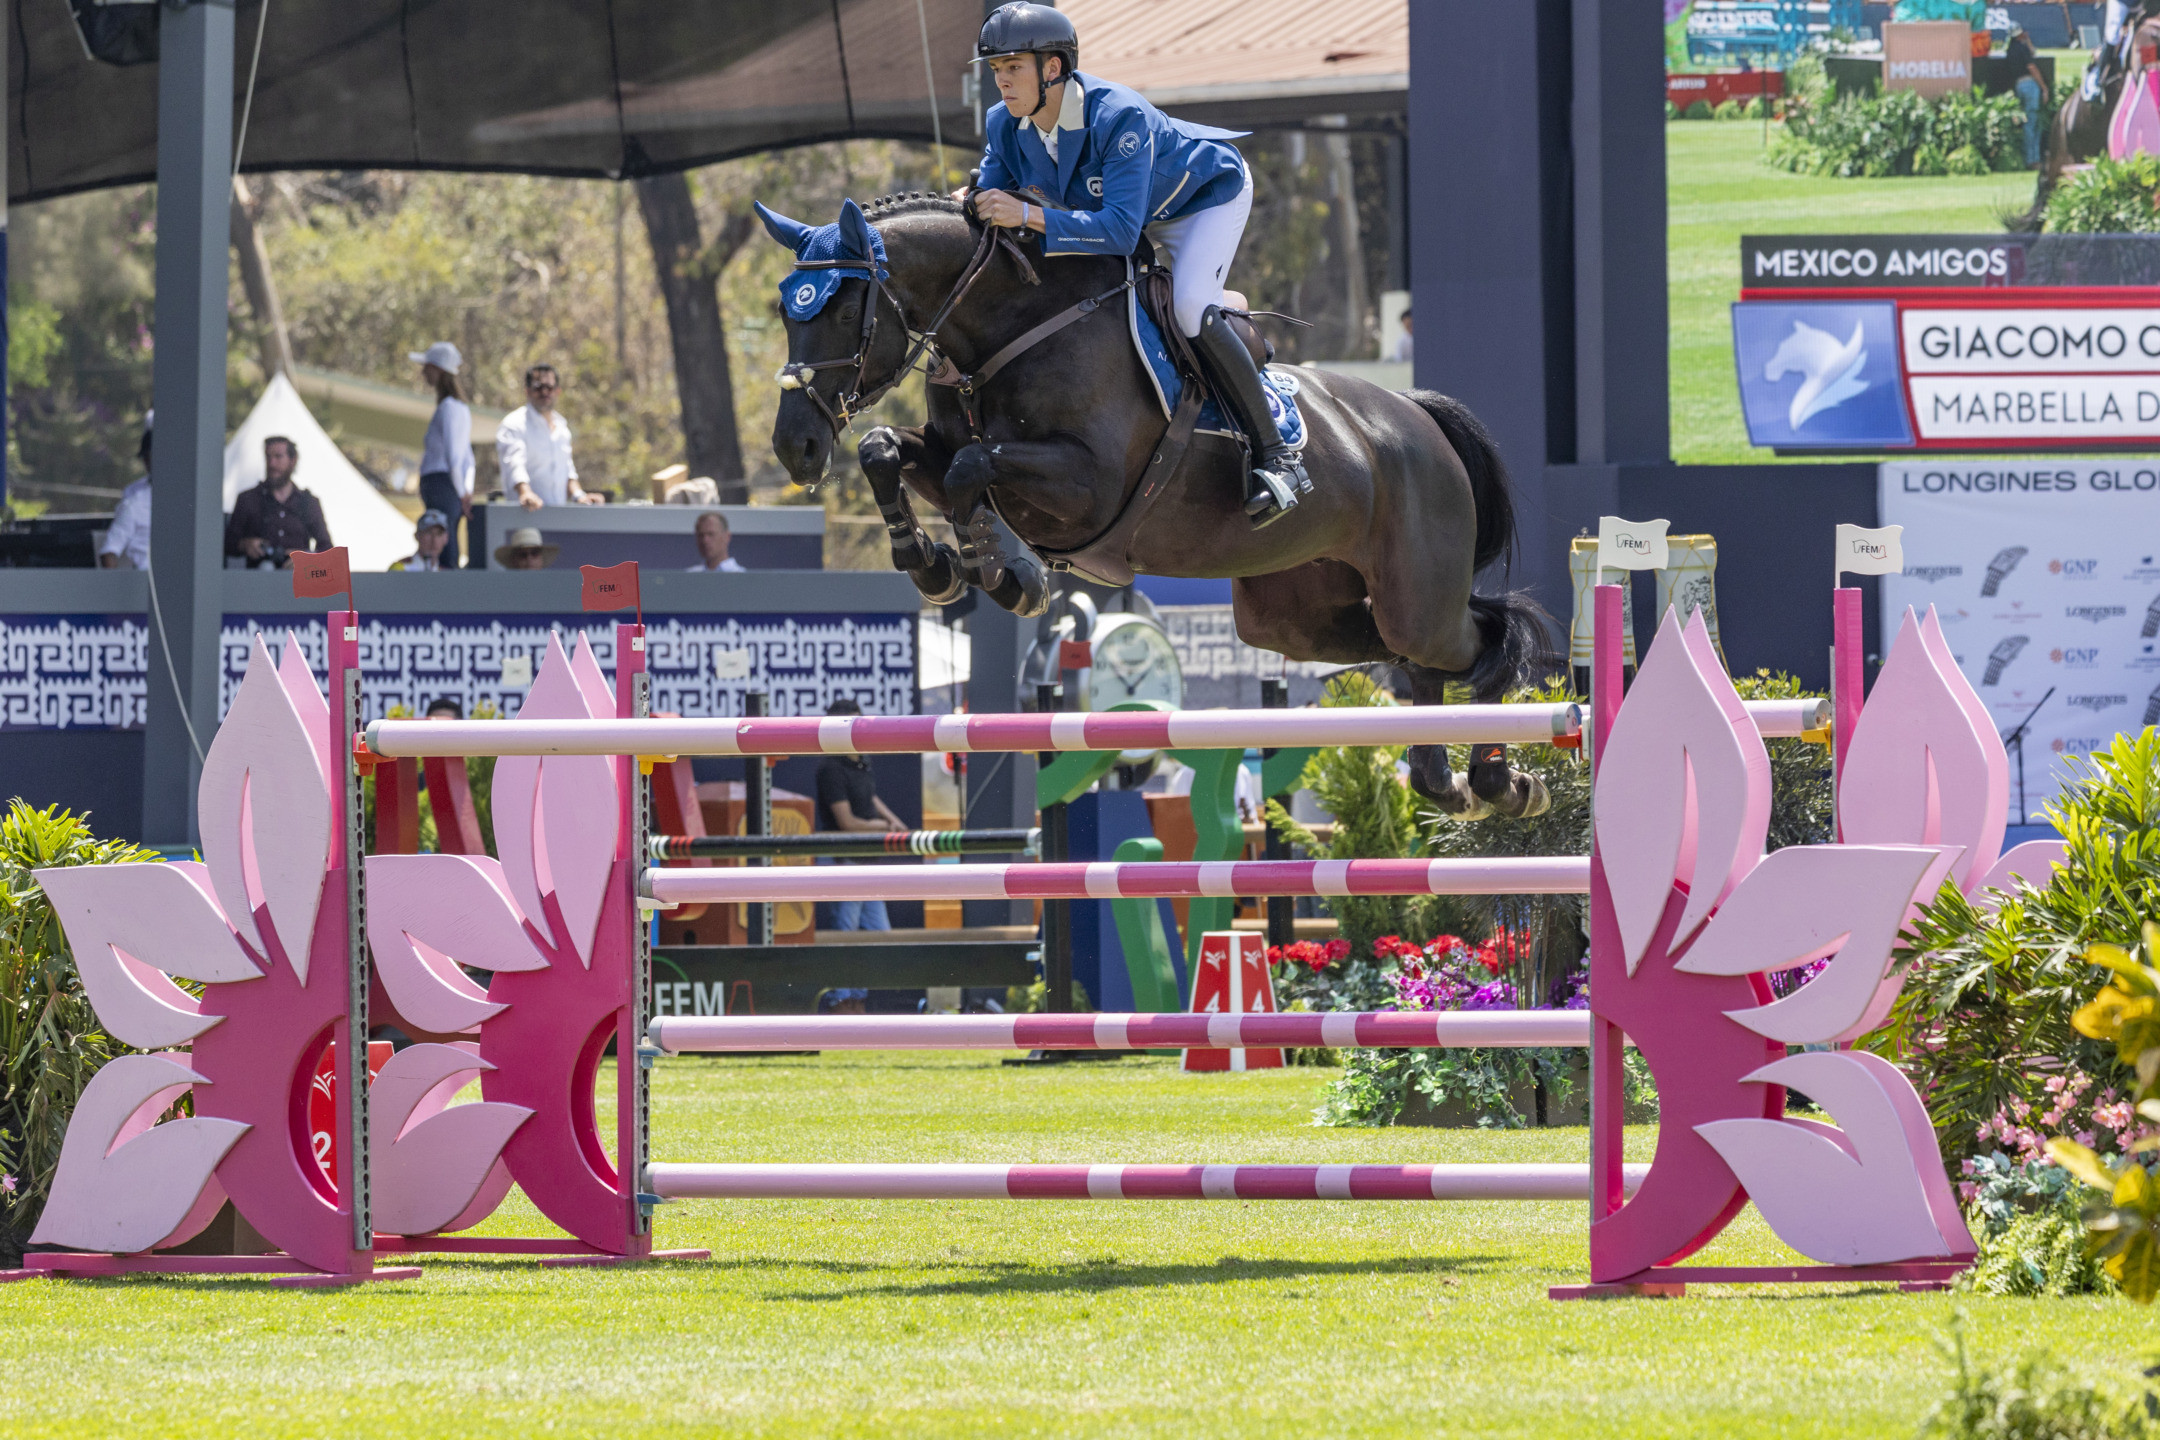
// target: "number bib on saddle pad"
[[1282, 386]]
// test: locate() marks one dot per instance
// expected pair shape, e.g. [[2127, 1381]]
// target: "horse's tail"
[[1515, 626], [1489, 485]]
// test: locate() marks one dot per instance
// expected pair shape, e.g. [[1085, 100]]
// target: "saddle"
[[1155, 297]]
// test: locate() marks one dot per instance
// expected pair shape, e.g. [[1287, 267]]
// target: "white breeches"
[[1198, 248]]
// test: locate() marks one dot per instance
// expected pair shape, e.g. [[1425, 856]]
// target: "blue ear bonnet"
[[805, 292]]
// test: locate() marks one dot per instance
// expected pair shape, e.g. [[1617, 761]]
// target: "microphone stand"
[[2017, 738]]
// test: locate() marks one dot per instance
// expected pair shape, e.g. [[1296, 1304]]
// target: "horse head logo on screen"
[[1829, 369]]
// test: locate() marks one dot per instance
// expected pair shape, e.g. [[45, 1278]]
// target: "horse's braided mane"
[[912, 202]]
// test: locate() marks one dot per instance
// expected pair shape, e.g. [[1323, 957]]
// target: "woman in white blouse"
[[446, 458]]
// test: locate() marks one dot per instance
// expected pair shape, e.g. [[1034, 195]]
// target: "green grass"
[[1718, 188], [998, 1318]]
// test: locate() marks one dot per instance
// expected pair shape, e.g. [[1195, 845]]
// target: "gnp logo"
[[2080, 744], [1933, 573], [2094, 613], [2076, 657], [2095, 703], [2074, 569]]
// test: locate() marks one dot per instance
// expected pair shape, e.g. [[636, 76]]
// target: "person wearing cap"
[[713, 536], [1092, 165], [533, 443], [432, 537], [446, 458], [523, 549], [129, 537]]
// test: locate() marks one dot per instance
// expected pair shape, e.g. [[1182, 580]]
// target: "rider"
[[1093, 166]]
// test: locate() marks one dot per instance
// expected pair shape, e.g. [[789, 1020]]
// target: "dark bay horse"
[[1409, 501]]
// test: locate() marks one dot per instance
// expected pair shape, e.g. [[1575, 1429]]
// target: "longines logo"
[[2094, 613], [1933, 573], [2095, 703]]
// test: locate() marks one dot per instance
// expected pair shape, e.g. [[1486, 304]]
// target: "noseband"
[[841, 411]]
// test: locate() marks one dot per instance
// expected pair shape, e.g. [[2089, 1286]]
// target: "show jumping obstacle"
[[842, 844], [1688, 915]]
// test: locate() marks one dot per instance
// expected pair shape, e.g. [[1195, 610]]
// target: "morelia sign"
[[1949, 342]]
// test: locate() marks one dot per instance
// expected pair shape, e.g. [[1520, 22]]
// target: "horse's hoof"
[[1459, 802], [1535, 798], [1022, 590], [942, 581]]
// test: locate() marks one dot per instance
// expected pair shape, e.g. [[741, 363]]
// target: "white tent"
[[360, 519]]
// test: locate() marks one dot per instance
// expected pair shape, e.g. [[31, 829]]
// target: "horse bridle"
[[841, 411]]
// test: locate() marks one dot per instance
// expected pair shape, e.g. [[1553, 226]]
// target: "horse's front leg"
[[885, 452], [996, 558]]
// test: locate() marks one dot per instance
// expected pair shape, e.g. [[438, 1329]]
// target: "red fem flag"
[[611, 587], [317, 574]]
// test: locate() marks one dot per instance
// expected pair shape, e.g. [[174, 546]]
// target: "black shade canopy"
[[594, 88]]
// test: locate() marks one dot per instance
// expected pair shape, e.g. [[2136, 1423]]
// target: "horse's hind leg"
[[1490, 787], [1319, 612], [934, 568]]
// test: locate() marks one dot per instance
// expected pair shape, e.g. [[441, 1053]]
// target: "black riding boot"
[[1277, 476]]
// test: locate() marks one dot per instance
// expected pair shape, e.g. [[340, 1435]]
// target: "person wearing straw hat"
[[446, 458], [523, 549]]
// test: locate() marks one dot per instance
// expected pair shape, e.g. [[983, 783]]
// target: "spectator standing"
[[533, 444], [446, 458], [1403, 347], [847, 800], [271, 520], [523, 549], [2031, 85], [129, 537], [431, 537], [447, 707], [713, 538]]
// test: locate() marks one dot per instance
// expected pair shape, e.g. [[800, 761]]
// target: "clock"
[[1133, 660]]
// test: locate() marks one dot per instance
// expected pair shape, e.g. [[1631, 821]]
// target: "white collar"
[[1072, 110]]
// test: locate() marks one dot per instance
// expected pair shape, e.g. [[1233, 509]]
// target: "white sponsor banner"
[[2012, 408], [2043, 340], [2047, 577]]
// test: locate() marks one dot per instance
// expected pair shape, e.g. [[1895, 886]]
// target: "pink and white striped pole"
[[909, 734], [1113, 730], [1515, 875], [1127, 1182], [1371, 1030]]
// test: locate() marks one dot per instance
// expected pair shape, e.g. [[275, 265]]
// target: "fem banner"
[[2047, 578]]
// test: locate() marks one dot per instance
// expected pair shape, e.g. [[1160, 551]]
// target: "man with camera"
[[276, 517]]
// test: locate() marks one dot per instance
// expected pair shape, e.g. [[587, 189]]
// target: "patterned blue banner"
[[64, 672]]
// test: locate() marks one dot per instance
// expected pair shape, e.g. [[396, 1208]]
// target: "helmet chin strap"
[[1042, 86]]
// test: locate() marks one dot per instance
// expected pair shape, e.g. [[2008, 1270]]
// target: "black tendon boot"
[[1277, 477]]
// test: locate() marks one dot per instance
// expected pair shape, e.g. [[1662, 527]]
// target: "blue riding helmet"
[[805, 292]]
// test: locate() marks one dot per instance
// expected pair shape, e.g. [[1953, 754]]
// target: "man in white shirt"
[[533, 444], [129, 537], [713, 538]]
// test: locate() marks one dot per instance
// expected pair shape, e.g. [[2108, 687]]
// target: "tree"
[[688, 271]]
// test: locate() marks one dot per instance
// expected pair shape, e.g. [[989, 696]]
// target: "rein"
[[840, 413]]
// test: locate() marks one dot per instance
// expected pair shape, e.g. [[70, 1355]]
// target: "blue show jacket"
[[1131, 166]]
